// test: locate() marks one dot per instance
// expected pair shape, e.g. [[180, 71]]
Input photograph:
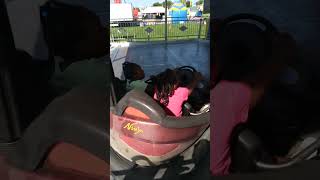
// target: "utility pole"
[[166, 21]]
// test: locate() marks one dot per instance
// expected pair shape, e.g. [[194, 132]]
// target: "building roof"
[[157, 9]]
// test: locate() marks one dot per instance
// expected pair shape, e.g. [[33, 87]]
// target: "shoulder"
[[236, 91], [182, 90], [138, 82], [232, 87]]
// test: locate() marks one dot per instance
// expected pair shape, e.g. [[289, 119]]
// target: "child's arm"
[[231, 107]]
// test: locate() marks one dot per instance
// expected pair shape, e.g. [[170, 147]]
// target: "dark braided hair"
[[165, 84]]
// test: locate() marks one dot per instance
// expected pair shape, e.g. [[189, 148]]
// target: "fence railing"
[[154, 29]]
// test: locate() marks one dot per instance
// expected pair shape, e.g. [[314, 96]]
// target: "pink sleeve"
[[184, 93], [230, 107]]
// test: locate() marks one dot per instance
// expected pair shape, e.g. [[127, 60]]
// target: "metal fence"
[[155, 29]]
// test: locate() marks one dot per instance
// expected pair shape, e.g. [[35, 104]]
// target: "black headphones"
[[245, 19], [188, 68], [186, 75], [251, 19]]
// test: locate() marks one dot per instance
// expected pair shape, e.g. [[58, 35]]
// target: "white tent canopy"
[[154, 10]]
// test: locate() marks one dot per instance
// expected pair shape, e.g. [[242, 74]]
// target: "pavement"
[[176, 169], [155, 57]]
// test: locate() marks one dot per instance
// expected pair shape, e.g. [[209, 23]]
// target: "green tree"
[[170, 3], [188, 4], [200, 2], [157, 4]]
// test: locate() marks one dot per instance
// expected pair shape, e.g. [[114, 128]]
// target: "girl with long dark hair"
[[245, 65], [170, 90]]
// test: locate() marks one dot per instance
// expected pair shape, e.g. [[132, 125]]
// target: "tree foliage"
[[200, 2], [169, 3], [157, 4]]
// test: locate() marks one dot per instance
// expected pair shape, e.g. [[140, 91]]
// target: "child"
[[244, 74], [170, 93], [77, 37], [135, 75]]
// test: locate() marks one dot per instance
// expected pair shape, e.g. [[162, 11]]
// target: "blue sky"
[[145, 3]]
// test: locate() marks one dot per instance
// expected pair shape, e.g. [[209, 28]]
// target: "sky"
[[145, 3]]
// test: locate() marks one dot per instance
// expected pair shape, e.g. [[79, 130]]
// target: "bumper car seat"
[[141, 132]]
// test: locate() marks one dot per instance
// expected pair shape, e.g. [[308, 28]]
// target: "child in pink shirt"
[[243, 75], [170, 93]]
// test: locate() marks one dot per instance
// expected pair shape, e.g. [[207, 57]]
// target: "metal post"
[[199, 34], [208, 29], [166, 21], [110, 84]]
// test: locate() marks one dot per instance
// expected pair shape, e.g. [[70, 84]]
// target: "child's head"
[[165, 84], [133, 71], [76, 33], [240, 52]]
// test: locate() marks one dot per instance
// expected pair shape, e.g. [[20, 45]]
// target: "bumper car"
[[143, 135], [275, 126]]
